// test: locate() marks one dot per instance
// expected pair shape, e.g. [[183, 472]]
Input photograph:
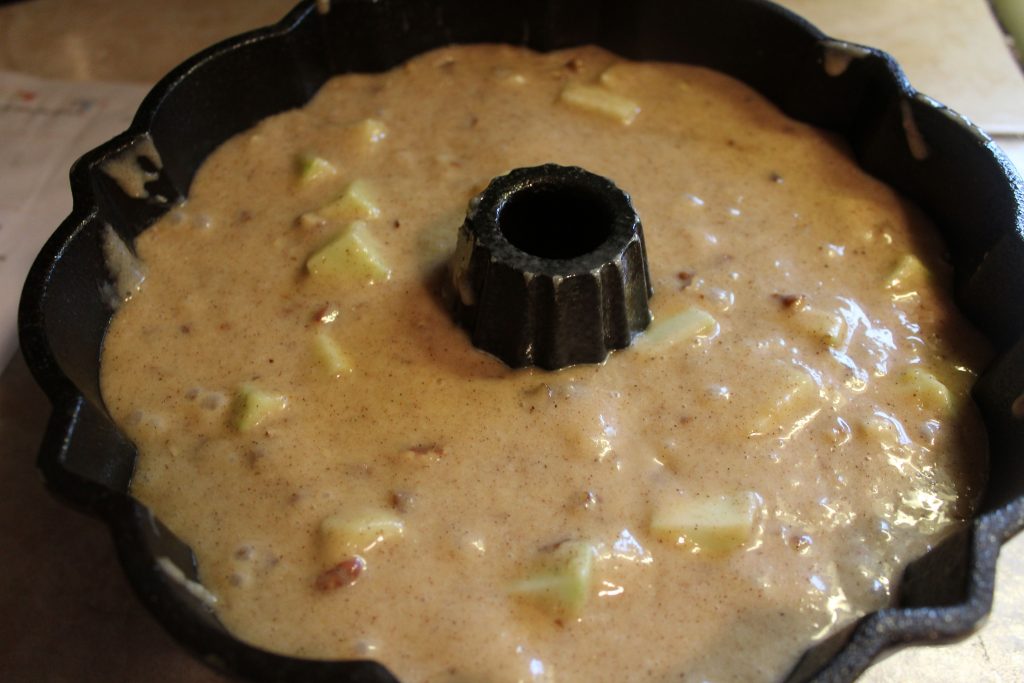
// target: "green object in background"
[[1011, 14]]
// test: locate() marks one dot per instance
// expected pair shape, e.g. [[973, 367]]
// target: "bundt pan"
[[931, 154]]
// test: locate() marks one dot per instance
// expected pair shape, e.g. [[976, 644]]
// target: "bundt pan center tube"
[[550, 268], [930, 154]]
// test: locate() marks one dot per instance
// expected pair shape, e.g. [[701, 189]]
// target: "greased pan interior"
[[963, 182]]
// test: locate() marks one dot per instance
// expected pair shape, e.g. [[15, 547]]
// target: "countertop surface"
[[66, 611]]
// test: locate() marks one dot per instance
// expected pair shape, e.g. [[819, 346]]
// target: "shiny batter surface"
[[830, 392]]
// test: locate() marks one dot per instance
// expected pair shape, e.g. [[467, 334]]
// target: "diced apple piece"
[[828, 327], [343, 535], [369, 130], [716, 524], [253, 405], [909, 272], [508, 77], [357, 201], [684, 326], [614, 75], [312, 168], [352, 255], [310, 221], [561, 582], [625, 75], [926, 388], [330, 354], [884, 429], [797, 398], [602, 101]]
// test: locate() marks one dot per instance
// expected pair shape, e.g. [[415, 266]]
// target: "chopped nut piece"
[[402, 501], [326, 314], [345, 573], [801, 543], [245, 552], [795, 301], [424, 452], [253, 456]]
